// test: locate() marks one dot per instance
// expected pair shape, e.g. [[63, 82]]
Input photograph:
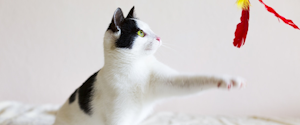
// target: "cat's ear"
[[131, 13], [117, 20]]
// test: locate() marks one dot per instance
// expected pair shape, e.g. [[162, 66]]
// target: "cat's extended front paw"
[[230, 82]]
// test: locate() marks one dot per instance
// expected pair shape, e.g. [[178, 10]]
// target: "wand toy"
[[242, 28]]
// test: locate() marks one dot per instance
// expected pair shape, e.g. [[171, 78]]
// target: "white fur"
[[132, 81]]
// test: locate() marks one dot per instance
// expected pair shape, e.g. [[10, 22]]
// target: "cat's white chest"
[[125, 95]]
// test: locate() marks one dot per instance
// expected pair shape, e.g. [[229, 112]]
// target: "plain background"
[[50, 47]]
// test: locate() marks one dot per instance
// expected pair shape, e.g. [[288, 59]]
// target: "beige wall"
[[49, 47]]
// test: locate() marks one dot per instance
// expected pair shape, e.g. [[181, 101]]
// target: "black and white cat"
[[131, 81]]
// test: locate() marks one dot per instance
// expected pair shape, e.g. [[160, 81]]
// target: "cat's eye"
[[141, 33]]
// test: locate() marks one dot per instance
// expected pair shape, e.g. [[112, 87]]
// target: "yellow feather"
[[243, 4]]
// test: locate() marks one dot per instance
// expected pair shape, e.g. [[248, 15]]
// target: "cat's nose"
[[158, 39]]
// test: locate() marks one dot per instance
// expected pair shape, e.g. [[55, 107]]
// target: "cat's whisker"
[[166, 43], [168, 47]]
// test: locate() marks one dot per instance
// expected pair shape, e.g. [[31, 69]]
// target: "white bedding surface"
[[14, 113]]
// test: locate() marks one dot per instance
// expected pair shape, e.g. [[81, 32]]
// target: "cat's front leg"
[[189, 84], [203, 82]]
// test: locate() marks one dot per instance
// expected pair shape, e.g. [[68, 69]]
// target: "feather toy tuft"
[[242, 28]]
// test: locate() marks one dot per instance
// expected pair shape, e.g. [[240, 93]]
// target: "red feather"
[[242, 29], [287, 21]]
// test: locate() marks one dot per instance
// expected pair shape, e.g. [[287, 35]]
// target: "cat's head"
[[130, 36]]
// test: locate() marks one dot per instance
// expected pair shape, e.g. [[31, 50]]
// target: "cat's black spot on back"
[[85, 93], [128, 34], [72, 97]]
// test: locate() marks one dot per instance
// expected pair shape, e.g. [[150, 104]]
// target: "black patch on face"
[[85, 93], [129, 31], [72, 97]]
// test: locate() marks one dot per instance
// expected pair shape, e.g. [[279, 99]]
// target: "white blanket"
[[14, 113]]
